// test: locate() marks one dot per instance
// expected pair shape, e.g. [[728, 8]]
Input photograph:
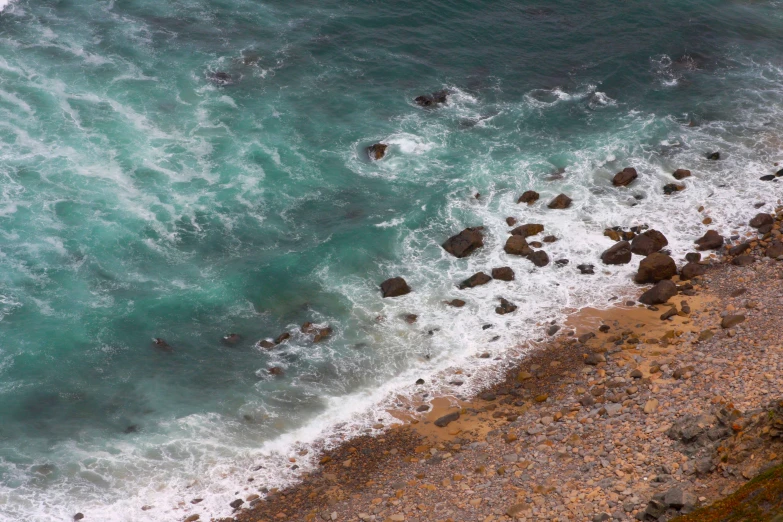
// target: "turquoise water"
[[141, 199]]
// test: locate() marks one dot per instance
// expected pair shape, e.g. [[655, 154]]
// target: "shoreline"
[[514, 444]]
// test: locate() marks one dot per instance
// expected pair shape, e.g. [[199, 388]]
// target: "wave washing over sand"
[[143, 199]]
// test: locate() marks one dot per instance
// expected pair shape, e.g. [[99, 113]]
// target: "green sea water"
[[141, 199]]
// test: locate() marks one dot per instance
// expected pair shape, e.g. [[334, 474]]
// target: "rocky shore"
[[624, 414], [640, 412]]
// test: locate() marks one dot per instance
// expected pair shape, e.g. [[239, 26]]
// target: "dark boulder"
[[672, 188], [377, 151], [617, 254], [510, 221], [659, 294], [682, 174], [78, 516], [395, 287], [429, 100], [743, 260], [655, 267], [775, 250], [517, 246], [549, 239], [768, 177], [505, 307], [730, 321], [648, 242], [691, 270], [231, 338], [456, 303], [265, 344], [236, 503], [709, 241], [282, 337], [444, 421], [761, 219], [464, 243], [560, 202], [504, 273], [276, 370], [739, 249], [477, 279], [693, 257], [529, 197], [713, 156], [528, 230], [539, 258], [586, 269], [624, 177], [161, 345]]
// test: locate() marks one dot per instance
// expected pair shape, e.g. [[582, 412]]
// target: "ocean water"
[[139, 198]]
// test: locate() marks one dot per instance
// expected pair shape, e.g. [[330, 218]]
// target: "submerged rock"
[[456, 303], [220, 78], [162, 345], [659, 294], [231, 338], [464, 243], [681, 174], [586, 269], [395, 287], [713, 156]]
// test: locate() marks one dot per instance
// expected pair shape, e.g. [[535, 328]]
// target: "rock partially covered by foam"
[[395, 287], [429, 100], [625, 177], [465, 243], [617, 254], [377, 151]]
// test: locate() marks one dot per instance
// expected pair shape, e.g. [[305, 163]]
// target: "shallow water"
[[140, 199]]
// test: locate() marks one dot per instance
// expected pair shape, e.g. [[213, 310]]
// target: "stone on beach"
[[655, 267], [447, 419], [712, 240], [659, 294]]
